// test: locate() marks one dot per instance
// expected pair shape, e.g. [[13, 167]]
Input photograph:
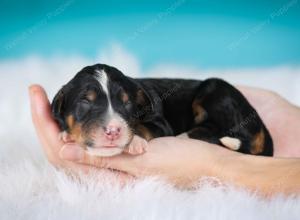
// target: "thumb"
[[123, 162]]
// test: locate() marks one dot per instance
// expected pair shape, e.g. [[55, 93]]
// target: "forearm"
[[195, 159], [262, 174]]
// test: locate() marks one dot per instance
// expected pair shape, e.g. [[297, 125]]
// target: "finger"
[[122, 162], [40, 106], [41, 111], [124, 178], [45, 126]]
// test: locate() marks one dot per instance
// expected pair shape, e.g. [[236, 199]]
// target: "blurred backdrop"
[[255, 42], [205, 34]]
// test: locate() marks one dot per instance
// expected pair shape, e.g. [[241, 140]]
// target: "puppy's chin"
[[104, 151], [104, 148]]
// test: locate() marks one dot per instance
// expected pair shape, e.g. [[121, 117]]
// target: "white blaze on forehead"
[[102, 78]]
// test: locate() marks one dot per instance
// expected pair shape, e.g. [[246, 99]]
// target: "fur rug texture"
[[31, 189]]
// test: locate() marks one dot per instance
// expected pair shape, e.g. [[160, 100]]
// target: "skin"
[[183, 162]]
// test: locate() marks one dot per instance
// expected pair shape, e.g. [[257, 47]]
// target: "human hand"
[[179, 161], [281, 118]]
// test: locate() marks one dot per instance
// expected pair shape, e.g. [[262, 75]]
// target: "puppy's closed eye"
[[82, 108], [85, 104], [128, 105]]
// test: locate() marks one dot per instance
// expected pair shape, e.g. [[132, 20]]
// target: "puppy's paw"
[[137, 146], [183, 135], [65, 137], [231, 143]]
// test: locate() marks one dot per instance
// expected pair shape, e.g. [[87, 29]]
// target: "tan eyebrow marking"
[[124, 97], [140, 97], [91, 95]]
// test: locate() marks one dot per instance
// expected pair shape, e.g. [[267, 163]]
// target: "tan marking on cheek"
[[91, 95], [258, 143], [124, 97], [199, 112], [75, 130], [78, 135], [144, 132], [70, 121]]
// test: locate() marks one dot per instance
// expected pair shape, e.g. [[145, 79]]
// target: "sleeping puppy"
[[107, 113]]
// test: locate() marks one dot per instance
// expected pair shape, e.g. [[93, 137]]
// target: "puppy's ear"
[[58, 108], [144, 101]]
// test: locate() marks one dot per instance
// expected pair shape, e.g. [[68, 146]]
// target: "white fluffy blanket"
[[31, 189]]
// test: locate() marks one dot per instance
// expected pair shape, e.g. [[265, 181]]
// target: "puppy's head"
[[100, 108]]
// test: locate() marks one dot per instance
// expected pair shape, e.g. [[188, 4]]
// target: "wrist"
[[265, 175], [228, 165]]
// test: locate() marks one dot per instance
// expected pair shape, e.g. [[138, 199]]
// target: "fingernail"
[[32, 93], [71, 152]]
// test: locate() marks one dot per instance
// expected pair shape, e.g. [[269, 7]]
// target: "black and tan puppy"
[[107, 112]]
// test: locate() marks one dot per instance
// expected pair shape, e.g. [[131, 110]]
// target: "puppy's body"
[[102, 109], [211, 110]]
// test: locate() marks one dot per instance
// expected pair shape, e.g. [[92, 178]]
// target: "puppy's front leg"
[[137, 146]]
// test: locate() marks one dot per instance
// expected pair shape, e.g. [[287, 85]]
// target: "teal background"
[[208, 34]]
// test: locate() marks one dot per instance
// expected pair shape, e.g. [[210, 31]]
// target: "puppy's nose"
[[112, 132]]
